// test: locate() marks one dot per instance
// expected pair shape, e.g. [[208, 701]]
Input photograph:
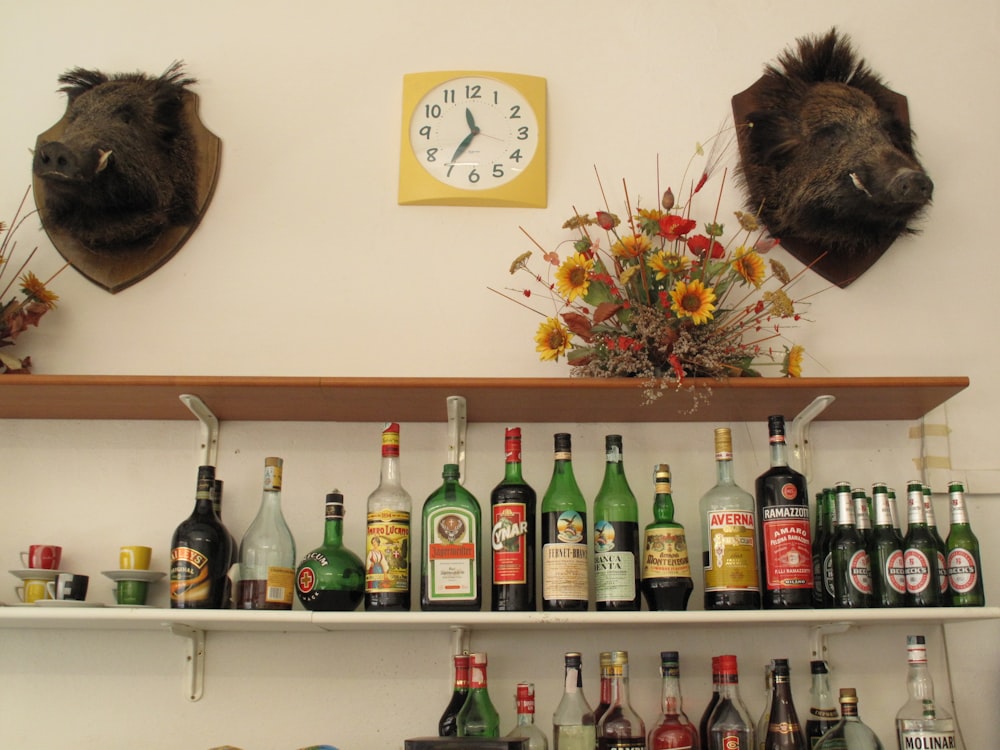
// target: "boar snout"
[[911, 186], [55, 160]]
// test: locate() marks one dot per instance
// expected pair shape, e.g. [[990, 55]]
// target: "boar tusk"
[[859, 184], [102, 163]]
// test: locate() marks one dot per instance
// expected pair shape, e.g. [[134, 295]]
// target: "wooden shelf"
[[571, 400]]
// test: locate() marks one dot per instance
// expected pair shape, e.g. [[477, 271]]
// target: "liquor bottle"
[[852, 580], [565, 563], [234, 546], [199, 553], [822, 706], [849, 733], [448, 723], [604, 692], [730, 726], [785, 539], [673, 730], [478, 717], [450, 555], [713, 701], [818, 545], [919, 552], [830, 523], [616, 536], [524, 702], [728, 536], [965, 578], [267, 551], [885, 553], [573, 725], [942, 549], [765, 715], [331, 578], [387, 534], [512, 510], [862, 514], [620, 728], [783, 729], [921, 723], [666, 572]]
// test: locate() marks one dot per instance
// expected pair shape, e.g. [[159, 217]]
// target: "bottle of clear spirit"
[[730, 726], [524, 702], [822, 706], [267, 551], [573, 726], [922, 723], [849, 733]]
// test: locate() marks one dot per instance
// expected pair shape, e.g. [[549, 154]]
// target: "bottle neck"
[[919, 684], [845, 509], [849, 710], [883, 514], [477, 677], [779, 451], [663, 503], [724, 468], [618, 686], [729, 687], [671, 703], [915, 513], [333, 534], [959, 513], [573, 680]]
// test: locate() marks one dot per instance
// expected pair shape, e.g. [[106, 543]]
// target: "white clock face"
[[474, 133]]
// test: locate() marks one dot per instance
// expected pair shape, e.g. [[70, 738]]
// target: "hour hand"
[[471, 120]]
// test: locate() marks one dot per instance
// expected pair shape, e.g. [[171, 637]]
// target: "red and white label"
[[861, 572], [918, 571], [895, 572], [962, 572]]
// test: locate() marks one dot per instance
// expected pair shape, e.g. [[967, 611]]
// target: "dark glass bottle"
[[604, 691], [783, 517], [617, 566], [512, 510], [730, 726], [448, 723], [565, 554], [620, 728], [234, 555], [862, 514], [944, 600], [852, 581], [478, 716], [451, 558], [820, 533], [200, 551], [886, 554], [822, 705], [919, 552], [713, 701], [783, 729], [666, 572], [830, 522], [387, 533], [673, 730], [965, 571], [331, 578]]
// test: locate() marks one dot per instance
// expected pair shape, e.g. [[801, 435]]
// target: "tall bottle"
[[713, 701], [267, 551], [783, 518], [921, 723], [852, 580], [885, 553], [820, 534], [822, 705], [478, 716], [765, 715], [573, 726], [830, 509], [617, 565], [666, 572], [524, 703], [512, 511], [331, 578], [730, 726], [965, 577], [604, 693], [942, 549], [234, 546], [849, 733], [620, 728], [784, 732], [565, 562], [728, 536], [673, 730], [862, 514], [919, 552], [450, 554], [199, 553], [387, 534], [448, 723]]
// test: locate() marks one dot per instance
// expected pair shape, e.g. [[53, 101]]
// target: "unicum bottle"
[[565, 553], [387, 534], [331, 578], [450, 552], [617, 565], [666, 572], [267, 552], [965, 571]]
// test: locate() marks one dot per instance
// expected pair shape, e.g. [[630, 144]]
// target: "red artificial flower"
[[606, 221], [673, 226], [701, 245]]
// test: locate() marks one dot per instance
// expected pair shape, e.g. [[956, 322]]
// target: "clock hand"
[[471, 120], [473, 132]]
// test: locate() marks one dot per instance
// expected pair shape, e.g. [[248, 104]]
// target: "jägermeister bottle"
[[450, 552], [886, 554], [919, 552], [965, 578], [617, 565]]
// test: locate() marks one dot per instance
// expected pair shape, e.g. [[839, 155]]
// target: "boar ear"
[[770, 139], [80, 80]]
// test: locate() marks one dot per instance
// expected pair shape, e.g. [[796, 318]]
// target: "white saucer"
[[66, 603], [37, 574], [150, 576], [133, 606]]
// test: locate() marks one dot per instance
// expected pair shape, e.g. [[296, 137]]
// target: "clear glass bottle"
[[765, 715], [450, 551], [919, 552], [942, 549], [387, 534], [922, 723], [565, 553], [573, 726], [200, 553], [885, 553], [617, 565], [728, 534], [713, 701], [849, 733], [620, 728], [448, 723], [478, 716], [666, 571], [267, 551], [514, 529], [852, 580], [965, 570], [331, 578], [784, 732], [524, 702], [730, 726], [822, 705], [673, 730]]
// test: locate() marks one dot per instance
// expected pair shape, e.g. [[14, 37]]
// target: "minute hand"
[[473, 132]]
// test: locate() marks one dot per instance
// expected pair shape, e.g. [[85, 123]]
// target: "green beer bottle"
[[852, 580], [942, 549], [886, 554], [965, 578], [919, 552]]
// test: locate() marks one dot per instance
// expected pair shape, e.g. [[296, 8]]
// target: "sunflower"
[[552, 339], [749, 265], [35, 289], [632, 246], [573, 276], [792, 365], [665, 263], [693, 300]]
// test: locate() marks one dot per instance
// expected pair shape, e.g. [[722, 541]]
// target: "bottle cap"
[[563, 442], [478, 659], [670, 656], [848, 695], [573, 659], [727, 664], [776, 424], [723, 442], [450, 471], [818, 667]]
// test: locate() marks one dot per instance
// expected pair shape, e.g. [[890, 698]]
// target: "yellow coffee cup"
[[134, 557], [32, 591]]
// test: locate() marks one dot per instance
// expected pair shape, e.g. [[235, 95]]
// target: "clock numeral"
[[425, 131], [515, 112], [516, 156], [473, 176], [473, 92], [449, 96], [522, 134], [432, 111], [431, 154], [498, 170]]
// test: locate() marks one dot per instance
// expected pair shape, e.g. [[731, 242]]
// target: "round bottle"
[[666, 572], [331, 578]]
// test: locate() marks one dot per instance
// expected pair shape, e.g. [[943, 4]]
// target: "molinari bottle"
[[730, 726], [617, 566], [512, 511], [919, 552], [783, 729], [267, 552], [448, 723], [666, 572], [565, 565], [573, 721], [620, 728], [673, 730], [199, 553], [387, 535], [965, 572], [331, 578], [783, 517], [852, 580], [921, 723], [478, 716], [450, 555], [886, 554], [728, 536]]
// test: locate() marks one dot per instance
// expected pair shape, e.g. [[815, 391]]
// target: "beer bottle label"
[[962, 573], [732, 562], [942, 573], [860, 572], [452, 537], [510, 525], [787, 546], [895, 572], [665, 554], [918, 571], [387, 549]]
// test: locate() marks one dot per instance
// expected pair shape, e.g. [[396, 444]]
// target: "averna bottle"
[[234, 546], [512, 511], [267, 552], [331, 578], [673, 730], [448, 723], [387, 534], [620, 728], [849, 733], [617, 566], [199, 553], [965, 578], [783, 517], [565, 562], [784, 732], [450, 555], [886, 554], [730, 726], [822, 706], [573, 721], [919, 552], [852, 580], [713, 701], [478, 716], [728, 536], [942, 549], [666, 572], [525, 728], [921, 723]]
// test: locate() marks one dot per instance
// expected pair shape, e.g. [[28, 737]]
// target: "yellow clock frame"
[[417, 186]]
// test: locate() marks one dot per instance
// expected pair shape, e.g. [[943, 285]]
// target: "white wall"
[[305, 265]]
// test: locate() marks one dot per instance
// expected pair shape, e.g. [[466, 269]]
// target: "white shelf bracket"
[[457, 429], [195, 664], [460, 639], [817, 638], [209, 428], [800, 433]]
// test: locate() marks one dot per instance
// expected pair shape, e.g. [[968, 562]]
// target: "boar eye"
[[828, 134], [125, 115]]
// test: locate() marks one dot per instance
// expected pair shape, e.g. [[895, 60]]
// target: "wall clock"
[[473, 138]]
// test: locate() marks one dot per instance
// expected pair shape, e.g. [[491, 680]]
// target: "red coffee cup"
[[44, 556]]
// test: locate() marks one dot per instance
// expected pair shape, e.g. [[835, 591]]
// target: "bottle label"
[[732, 564], [615, 569], [895, 572], [860, 572], [784, 727], [387, 552], [823, 713], [962, 573], [665, 554], [280, 586], [787, 545], [732, 739], [189, 579], [918, 571], [621, 743], [451, 536], [828, 574], [565, 564], [509, 542], [921, 740], [942, 573], [390, 441]]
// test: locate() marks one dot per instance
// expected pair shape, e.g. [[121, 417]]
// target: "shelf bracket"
[[800, 433], [818, 634], [209, 428], [460, 639], [195, 663], [457, 429]]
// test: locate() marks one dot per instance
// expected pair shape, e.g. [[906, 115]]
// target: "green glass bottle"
[[820, 531], [944, 599], [886, 554], [862, 514], [450, 550], [666, 570], [919, 552], [852, 580], [616, 536], [478, 716], [965, 571], [830, 525], [565, 555], [331, 578]]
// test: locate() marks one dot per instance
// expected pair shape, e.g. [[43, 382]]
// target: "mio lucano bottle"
[[387, 535]]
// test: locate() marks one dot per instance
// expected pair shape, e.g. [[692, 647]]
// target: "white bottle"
[[267, 552]]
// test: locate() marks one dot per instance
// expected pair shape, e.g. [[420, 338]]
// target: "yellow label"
[[665, 554], [732, 556], [387, 552], [280, 585]]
